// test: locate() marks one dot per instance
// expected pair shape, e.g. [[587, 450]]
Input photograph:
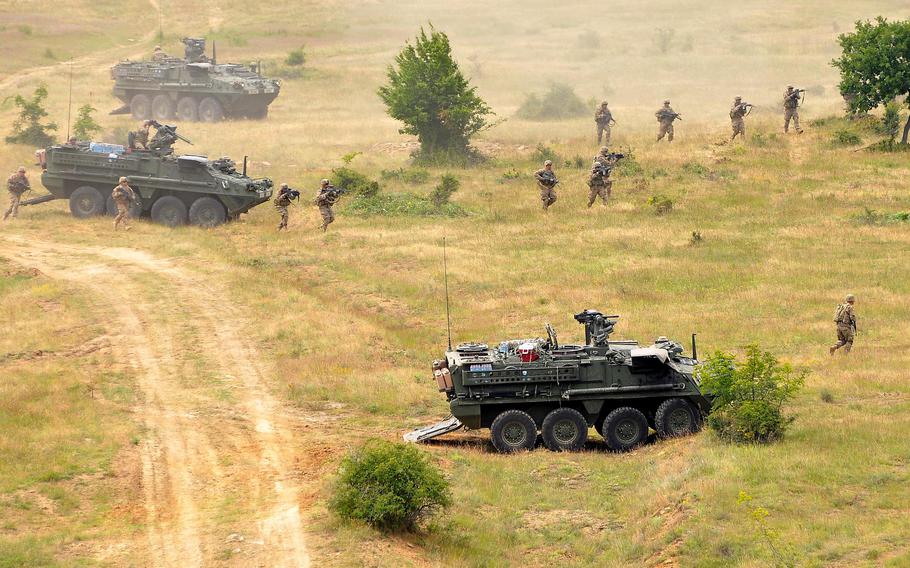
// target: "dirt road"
[[220, 463]]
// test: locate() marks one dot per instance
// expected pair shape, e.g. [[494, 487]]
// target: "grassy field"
[[352, 318]]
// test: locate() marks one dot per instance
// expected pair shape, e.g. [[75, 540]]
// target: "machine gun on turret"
[[598, 327], [165, 137]]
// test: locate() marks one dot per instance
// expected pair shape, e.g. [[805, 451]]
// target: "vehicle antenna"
[[445, 271], [69, 110]]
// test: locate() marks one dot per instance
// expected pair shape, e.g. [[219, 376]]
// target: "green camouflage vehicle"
[[527, 386], [172, 190], [193, 88]]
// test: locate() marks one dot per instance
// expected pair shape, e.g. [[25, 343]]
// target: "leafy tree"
[[85, 124], [28, 129], [875, 65], [749, 395], [560, 101], [429, 94]]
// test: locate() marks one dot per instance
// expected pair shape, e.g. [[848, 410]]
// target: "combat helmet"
[[850, 298]]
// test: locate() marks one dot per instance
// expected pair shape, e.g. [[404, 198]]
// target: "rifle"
[[796, 94], [548, 179]]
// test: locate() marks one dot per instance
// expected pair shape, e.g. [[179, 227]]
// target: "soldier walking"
[[665, 117], [600, 183], [546, 181], [282, 202], [603, 117], [791, 104], [327, 197], [123, 195], [16, 184], [737, 117], [845, 319]]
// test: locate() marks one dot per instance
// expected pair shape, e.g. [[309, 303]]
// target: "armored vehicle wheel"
[[207, 212], [564, 430], [162, 108], [141, 107], [86, 201], [111, 208], [187, 109], [169, 210], [676, 417], [258, 114], [625, 428], [513, 431], [210, 110]]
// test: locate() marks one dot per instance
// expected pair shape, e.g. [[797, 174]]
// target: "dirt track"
[[219, 460]]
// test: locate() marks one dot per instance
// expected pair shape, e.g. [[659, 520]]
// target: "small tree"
[[296, 57], [389, 486], [429, 94], [85, 124], [749, 395], [448, 185], [873, 66], [891, 121], [28, 129]]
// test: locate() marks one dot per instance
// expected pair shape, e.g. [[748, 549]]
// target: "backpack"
[[839, 313]]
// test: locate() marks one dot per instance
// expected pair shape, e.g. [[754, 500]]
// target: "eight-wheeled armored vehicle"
[[172, 190], [193, 88], [522, 387]]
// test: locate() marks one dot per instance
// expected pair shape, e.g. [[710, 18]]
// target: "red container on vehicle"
[[527, 352]]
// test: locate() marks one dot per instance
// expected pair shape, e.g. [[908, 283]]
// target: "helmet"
[[284, 186], [148, 122], [324, 181], [603, 103], [123, 180], [738, 98], [850, 298], [157, 48], [666, 102], [604, 150], [21, 169], [548, 163], [789, 87]]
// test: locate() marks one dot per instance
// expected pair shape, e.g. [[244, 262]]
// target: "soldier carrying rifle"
[[283, 201], [791, 104], [737, 116], [603, 118], [327, 197], [546, 181], [16, 184], [600, 183], [665, 117]]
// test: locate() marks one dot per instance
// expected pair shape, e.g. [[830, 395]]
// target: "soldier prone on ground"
[[546, 181], [665, 117], [845, 319], [737, 116], [603, 117], [123, 195], [327, 197], [16, 184], [791, 104]]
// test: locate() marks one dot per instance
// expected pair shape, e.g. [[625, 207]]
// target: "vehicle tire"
[[111, 208], [513, 431], [258, 114], [141, 107], [625, 428], [86, 201], [162, 108], [169, 210], [564, 430], [210, 110], [187, 109], [207, 212], [676, 417]]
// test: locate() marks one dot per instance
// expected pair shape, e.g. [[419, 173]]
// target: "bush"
[[389, 486], [448, 185], [543, 153], [510, 175], [355, 182], [873, 217], [560, 101], [846, 138], [28, 129], [891, 121], [697, 169], [85, 124], [295, 57], [403, 205], [413, 176], [661, 204], [748, 396], [696, 238]]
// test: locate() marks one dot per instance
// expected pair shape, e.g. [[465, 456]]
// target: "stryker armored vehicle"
[[193, 88], [522, 387], [171, 189]]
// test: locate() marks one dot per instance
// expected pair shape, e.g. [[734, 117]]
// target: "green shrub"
[[826, 396], [629, 166], [448, 185], [295, 57], [891, 121], [749, 395], [661, 204], [390, 486], [873, 217], [696, 238], [510, 175], [85, 124], [543, 153], [413, 176], [355, 182], [559, 102], [845, 137], [403, 205], [696, 169], [28, 129]]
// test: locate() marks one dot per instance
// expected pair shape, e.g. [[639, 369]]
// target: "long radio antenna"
[[69, 110], [445, 269]]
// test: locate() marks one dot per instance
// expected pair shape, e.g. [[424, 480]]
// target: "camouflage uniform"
[[140, 137], [845, 319], [122, 194], [158, 54], [665, 116], [791, 104], [16, 184], [601, 185], [603, 117], [282, 202], [737, 117], [547, 193], [327, 197]]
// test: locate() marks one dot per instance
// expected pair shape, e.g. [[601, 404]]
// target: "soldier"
[[600, 182], [845, 319], [16, 184], [140, 137], [547, 181], [791, 103], [603, 117], [327, 197], [158, 54], [123, 195], [737, 117], [282, 202], [666, 116]]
